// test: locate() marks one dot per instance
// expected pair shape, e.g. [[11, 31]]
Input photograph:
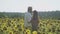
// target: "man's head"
[[30, 9]]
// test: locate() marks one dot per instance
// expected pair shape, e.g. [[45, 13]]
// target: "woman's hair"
[[35, 21], [35, 15]]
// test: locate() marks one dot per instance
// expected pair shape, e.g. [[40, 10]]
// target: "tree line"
[[48, 14]]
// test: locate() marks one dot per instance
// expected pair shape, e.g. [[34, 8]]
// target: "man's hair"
[[30, 9]]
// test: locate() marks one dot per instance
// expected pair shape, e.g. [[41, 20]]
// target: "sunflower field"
[[16, 26]]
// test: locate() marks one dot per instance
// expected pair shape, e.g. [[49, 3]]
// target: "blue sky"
[[22, 5]]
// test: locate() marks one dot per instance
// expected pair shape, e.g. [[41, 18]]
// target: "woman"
[[35, 21]]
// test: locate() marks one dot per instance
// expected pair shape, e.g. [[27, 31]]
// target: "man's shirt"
[[27, 19]]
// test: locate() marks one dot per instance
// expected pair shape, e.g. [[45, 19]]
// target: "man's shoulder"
[[27, 13]]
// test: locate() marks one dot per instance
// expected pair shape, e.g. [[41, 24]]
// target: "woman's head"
[[35, 14]]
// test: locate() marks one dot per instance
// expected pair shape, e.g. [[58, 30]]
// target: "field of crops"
[[16, 26]]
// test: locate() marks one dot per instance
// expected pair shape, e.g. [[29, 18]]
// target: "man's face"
[[30, 9]]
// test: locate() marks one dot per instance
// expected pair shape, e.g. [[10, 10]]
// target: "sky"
[[22, 5]]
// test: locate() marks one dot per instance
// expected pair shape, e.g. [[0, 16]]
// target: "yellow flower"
[[34, 32], [28, 31]]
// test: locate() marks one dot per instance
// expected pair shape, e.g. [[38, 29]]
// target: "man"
[[27, 18]]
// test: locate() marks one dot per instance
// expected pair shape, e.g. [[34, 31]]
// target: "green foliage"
[[10, 25], [16, 26], [13, 23]]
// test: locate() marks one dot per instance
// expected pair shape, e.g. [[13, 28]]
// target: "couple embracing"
[[31, 19]]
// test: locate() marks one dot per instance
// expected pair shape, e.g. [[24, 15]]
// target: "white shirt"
[[27, 19]]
